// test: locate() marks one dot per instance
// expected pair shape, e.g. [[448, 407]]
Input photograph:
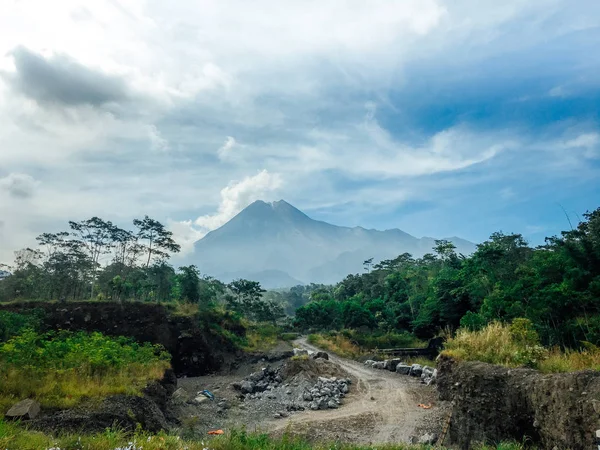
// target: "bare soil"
[[382, 406]]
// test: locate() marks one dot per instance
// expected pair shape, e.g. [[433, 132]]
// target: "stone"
[[402, 369], [300, 352], [427, 439], [237, 385], [307, 397], [24, 410], [180, 396], [321, 355], [200, 399], [247, 387], [345, 389], [391, 364], [332, 404], [314, 406], [416, 370], [369, 362], [379, 365]]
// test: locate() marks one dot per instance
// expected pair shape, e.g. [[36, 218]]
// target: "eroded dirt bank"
[[493, 404]]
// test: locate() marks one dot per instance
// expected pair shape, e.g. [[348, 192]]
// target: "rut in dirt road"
[[382, 408]]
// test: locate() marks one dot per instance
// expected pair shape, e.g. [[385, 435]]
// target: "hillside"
[[275, 243]]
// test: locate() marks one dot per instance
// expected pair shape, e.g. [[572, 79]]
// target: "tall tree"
[[158, 240]]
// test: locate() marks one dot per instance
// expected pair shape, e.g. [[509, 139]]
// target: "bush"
[[60, 369], [513, 346], [11, 323], [336, 343]]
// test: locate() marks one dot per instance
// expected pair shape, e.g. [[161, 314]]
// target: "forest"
[[556, 285]]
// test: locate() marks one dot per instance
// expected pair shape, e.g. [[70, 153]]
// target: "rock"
[[345, 389], [314, 405], [369, 362], [300, 352], [261, 386], [237, 385], [379, 365], [402, 369], [180, 396], [283, 414], [125, 412], [307, 397], [331, 404], [427, 439], [321, 355], [200, 399], [390, 364], [247, 387], [24, 410], [416, 370]]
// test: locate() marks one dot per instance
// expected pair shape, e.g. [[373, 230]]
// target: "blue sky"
[[442, 118]]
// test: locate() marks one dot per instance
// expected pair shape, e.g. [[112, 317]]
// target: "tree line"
[[555, 285], [95, 259]]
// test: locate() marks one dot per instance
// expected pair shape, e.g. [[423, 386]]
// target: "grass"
[[13, 437], [559, 361], [496, 343], [336, 343], [517, 345], [62, 369]]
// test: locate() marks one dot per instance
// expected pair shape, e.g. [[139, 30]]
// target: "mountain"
[[280, 246]]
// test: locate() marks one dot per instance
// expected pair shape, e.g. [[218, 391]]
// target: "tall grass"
[[518, 345], [495, 344], [335, 343], [13, 437]]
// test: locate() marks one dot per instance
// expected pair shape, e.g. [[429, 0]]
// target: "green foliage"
[[555, 286], [512, 345], [12, 324], [60, 368], [13, 437]]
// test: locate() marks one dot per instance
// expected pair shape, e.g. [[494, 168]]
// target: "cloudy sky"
[[439, 117]]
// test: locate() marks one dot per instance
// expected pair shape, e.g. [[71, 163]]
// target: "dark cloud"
[[62, 80], [18, 185]]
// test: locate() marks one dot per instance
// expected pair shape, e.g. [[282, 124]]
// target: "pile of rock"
[[427, 374], [261, 381], [327, 393]]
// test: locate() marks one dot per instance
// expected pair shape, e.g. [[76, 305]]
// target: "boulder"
[[416, 370], [247, 387], [369, 362], [200, 399], [180, 396], [379, 365], [427, 439], [24, 410], [403, 369], [391, 364], [322, 355], [300, 352], [332, 404], [307, 397]]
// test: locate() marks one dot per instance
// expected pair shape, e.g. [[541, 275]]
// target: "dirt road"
[[382, 408]]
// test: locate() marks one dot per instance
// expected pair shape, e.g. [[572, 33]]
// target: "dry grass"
[[66, 388], [338, 344], [495, 344], [570, 360]]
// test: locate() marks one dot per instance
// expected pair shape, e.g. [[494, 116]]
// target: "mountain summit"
[[278, 245]]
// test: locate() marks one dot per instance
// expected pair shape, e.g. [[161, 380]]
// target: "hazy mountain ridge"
[[276, 243]]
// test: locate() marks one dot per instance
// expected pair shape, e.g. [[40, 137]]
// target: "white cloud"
[[18, 185], [157, 142], [238, 195], [225, 150], [234, 197]]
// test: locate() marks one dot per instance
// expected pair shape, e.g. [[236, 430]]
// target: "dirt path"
[[382, 408]]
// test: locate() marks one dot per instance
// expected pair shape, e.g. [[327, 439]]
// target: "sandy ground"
[[381, 408]]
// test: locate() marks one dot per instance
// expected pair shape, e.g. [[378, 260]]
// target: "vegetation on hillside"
[[60, 369], [556, 286]]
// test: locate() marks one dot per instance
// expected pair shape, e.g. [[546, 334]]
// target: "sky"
[[439, 117]]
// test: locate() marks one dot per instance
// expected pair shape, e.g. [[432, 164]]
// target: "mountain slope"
[[276, 243]]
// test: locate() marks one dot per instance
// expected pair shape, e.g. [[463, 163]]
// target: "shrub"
[[513, 346], [60, 369], [336, 343], [11, 323]]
